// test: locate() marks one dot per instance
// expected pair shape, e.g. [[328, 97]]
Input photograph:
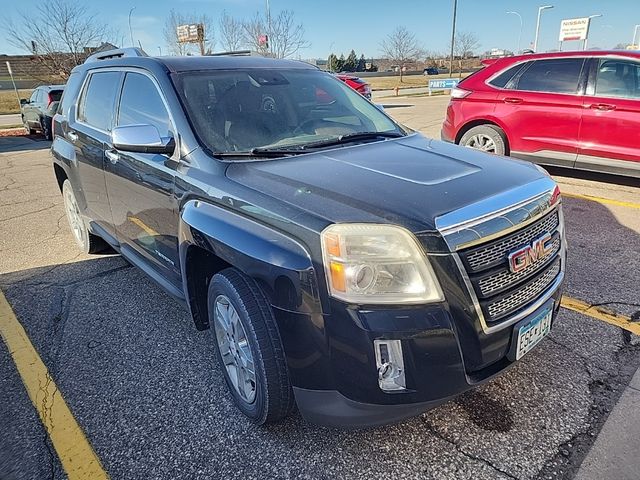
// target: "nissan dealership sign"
[[574, 29]]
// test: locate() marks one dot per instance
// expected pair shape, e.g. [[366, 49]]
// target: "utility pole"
[[453, 36], [535, 42], [269, 45], [635, 34]]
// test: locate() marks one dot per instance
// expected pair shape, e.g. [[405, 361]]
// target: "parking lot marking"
[[604, 201], [600, 313], [72, 446], [144, 226]]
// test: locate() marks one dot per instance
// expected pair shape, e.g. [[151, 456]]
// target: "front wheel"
[[487, 138], [248, 347]]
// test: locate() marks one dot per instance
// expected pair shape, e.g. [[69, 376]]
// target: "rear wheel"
[[248, 347], [487, 138], [46, 128], [86, 241], [30, 131]]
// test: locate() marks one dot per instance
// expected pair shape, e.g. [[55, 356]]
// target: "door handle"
[[72, 136], [112, 156], [603, 107], [513, 100]]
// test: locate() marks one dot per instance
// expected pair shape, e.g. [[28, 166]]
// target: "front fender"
[[281, 265]]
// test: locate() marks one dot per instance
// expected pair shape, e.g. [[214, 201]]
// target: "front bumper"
[[339, 387]]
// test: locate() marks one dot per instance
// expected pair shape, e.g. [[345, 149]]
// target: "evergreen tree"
[[332, 63], [362, 64], [351, 63], [340, 63]]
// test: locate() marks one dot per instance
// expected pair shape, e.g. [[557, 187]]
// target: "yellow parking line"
[[601, 313], [604, 201], [74, 450], [144, 226]]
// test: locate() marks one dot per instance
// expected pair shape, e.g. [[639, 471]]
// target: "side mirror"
[[23, 101], [141, 139]]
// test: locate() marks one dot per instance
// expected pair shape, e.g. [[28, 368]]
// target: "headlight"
[[369, 263]]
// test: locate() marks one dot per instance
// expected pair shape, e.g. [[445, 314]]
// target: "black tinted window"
[[556, 76], [55, 95], [141, 103], [501, 80], [98, 100], [618, 78]]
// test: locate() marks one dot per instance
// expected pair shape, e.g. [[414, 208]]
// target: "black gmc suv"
[[340, 262]]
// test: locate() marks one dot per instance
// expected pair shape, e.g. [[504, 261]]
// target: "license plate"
[[530, 334]]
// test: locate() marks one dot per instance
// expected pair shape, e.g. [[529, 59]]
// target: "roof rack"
[[117, 53], [235, 53]]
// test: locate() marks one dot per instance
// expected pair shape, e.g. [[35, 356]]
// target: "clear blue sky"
[[340, 25]]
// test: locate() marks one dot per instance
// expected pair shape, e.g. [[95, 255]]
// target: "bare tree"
[[402, 47], [170, 33], [230, 32], [465, 44], [59, 33], [286, 37]]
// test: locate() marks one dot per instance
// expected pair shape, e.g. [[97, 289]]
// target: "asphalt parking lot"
[[144, 387]]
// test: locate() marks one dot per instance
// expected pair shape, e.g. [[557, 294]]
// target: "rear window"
[[55, 95], [70, 93], [618, 78], [558, 75]]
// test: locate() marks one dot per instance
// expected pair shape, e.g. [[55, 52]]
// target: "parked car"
[[431, 71], [571, 109], [359, 85], [338, 262], [38, 111]]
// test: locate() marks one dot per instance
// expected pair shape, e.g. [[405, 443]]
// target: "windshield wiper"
[[350, 137], [260, 153]]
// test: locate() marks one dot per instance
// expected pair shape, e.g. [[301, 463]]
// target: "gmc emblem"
[[530, 254]]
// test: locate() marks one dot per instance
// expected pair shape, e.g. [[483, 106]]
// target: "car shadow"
[[593, 176], [23, 142]]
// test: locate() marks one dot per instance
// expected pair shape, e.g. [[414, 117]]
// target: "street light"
[[635, 34], [131, 31], [453, 36], [586, 39], [520, 34], [540, 9]]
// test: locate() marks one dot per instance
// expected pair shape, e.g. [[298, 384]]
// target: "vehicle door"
[[30, 108], [541, 108], [141, 185], [89, 132], [610, 133]]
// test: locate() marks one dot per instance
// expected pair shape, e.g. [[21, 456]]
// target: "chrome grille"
[[487, 255], [505, 278], [499, 291], [523, 295]]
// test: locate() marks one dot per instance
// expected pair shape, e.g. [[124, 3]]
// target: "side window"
[[141, 103], [560, 75], [70, 93], [502, 79], [34, 96], [96, 108], [618, 78]]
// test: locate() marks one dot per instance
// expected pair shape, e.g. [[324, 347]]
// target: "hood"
[[409, 181]]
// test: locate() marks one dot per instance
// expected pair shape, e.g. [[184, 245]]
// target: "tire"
[[87, 242], [46, 128], [244, 333], [487, 138], [30, 131]]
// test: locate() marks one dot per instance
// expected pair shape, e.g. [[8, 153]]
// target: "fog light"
[[390, 365]]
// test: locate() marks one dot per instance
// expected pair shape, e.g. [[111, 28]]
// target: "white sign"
[[190, 33], [574, 29]]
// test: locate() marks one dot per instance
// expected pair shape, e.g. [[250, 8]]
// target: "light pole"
[[519, 34], [535, 41], [635, 34], [131, 31], [453, 35], [586, 39]]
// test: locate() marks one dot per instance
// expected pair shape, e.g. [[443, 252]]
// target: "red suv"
[[571, 109], [356, 83]]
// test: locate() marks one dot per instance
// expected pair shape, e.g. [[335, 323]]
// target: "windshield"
[[243, 110]]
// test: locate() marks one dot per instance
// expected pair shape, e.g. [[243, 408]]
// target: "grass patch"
[[9, 102], [408, 81]]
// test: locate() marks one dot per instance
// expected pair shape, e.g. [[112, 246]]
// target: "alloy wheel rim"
[[482, 142], [73, 215], [234, 349]]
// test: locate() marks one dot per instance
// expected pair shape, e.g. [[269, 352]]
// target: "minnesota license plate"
[[530, 334]]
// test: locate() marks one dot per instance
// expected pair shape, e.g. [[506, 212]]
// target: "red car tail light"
[[459, 92]]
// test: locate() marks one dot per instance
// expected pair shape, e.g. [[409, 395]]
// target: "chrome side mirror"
[[141, 139]]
